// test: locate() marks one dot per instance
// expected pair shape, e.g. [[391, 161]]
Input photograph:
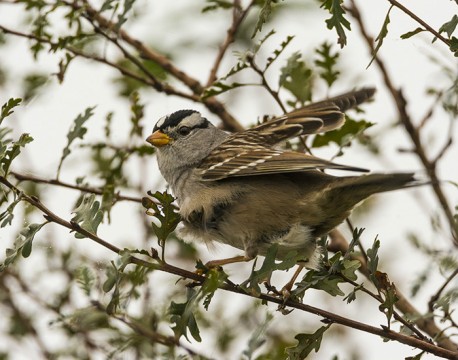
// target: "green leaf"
[[343, 136], [450, 26], [219, 87], [7, 108], [327, 62], [381, 36], [88, 215], [182, 314], [454, 50], [214, 279], [22, 244], [164, 211], [416, 357], [85, 279], [122, 18], [32, 83], [127, 84], [446, 301], [388, 290], [264, 15], [337, 19], [216, 5], [350, 268], [297, 77], [251, 285], [306, 343], [7, 216], [409, 34], [257, 338], [7, 157], [137, 113], [352, 294], [77, 131], [261, 42], [241, 65], [372, 256], [277, 52]]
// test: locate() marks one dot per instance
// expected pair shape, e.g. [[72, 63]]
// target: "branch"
[[339, 243], [266, 85], [420, 21], [161, 266], [126, 72], [148, 333], [438, 294], [97, 191], [237, 17], [406, 121], [230, 123]]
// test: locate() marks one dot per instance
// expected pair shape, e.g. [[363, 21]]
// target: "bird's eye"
[[184, 130]]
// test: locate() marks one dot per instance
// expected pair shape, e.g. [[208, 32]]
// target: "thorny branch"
[[228, 286]]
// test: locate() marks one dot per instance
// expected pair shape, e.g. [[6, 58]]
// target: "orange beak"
[[158, 139]]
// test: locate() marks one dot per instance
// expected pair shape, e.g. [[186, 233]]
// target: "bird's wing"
[[225, 162], [314, 118], [299, 122]]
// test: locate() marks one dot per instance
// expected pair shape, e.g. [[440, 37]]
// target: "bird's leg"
[[221, 262], [286, 290]]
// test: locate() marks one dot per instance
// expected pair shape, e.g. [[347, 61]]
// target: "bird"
[[245, 190]]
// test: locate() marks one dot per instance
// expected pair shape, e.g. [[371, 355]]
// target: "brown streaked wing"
[[264, 161], [345, 101]]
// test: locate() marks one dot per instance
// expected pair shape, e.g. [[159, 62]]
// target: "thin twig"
[[230, 123], [238, 15], [438, 293], [97, 191], [148, 333], [396, 315], [406, 121], [420, 21], [126, 72], [265, 84]]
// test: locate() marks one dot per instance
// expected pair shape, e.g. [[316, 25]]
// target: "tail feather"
[[345, 101], [375, 183], [346, 192]]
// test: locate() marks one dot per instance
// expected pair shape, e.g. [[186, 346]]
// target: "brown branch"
[[237, 17], [161, 266], [97, 191], [266, 85], [126, 72], [406, 121], [339, 243], [420, 21], [396, 315], [230, 123], [438, 293], [19, 317], [147, 333]]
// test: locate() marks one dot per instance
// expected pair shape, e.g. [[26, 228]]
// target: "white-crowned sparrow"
[[239, 189]]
